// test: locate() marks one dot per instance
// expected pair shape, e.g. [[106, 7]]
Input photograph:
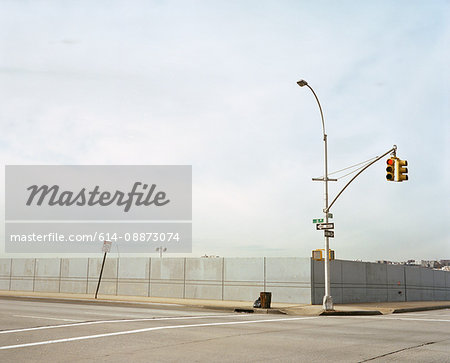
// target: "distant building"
[[412, 263], [424, 263], [431, 264]]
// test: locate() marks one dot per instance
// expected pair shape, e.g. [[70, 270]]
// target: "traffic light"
[[331, 255], [400, 170], [319, 254], [390, 169]]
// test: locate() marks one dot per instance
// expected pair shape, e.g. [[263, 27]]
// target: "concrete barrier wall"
[[47, 274], [203, 278], [243, 278], [74, 275], [353, 281], [133, 276], [22, 274], [5, 274], [289, 279], [167, 277]]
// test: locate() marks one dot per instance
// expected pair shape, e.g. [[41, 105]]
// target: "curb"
[[144, 305], [423, 308], [102, 300], [350, 313], [307, 310], [121, 303], [259, 311]]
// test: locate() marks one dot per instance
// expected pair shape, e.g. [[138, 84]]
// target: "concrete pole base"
[[328, 303]]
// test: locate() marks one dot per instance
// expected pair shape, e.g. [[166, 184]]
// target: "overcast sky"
[[212, 84]]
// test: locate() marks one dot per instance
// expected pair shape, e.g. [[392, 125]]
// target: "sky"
[[212, 84]]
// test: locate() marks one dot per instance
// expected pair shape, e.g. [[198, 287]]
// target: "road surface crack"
[[397, 351]]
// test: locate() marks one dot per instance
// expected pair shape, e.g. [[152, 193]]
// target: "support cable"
[[394, 149], [350, 167]]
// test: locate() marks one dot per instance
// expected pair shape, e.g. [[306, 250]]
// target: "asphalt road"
[[49, 331]]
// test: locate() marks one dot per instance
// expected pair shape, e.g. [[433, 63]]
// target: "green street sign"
[[319, 220]]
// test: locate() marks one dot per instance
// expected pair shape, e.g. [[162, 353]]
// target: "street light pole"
[[327, 299], [161, 250]]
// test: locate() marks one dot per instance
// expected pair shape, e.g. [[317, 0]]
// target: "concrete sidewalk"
[[379, 308], [238, 306]]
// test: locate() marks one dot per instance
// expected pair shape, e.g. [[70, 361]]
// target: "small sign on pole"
[[328, 233], [318, 220], [106, 246], [321, 226]]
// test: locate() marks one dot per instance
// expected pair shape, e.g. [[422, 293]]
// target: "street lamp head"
[[302, 83]]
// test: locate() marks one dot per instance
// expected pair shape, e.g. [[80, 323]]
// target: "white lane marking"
[[114, 315], [424, 315], [147, 330], [419, 319], [140, 303], [43, 317], [389, 318], [412, 314], [116, 321]]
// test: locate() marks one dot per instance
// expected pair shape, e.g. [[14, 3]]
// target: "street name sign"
[[318, 220], [328, 233], [321, 226]]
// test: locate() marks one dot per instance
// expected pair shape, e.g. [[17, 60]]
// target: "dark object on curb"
[[265, 298], [257, 303], [247, 311]]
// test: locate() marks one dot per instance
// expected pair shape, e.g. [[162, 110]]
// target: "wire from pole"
[[363, 164]]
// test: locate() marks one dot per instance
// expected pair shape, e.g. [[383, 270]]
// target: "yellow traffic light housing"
[[390, 169], [318, 255], [400, 171], [331, 255]]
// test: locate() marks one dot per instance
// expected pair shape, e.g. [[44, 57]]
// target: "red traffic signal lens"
[[390, 161]]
